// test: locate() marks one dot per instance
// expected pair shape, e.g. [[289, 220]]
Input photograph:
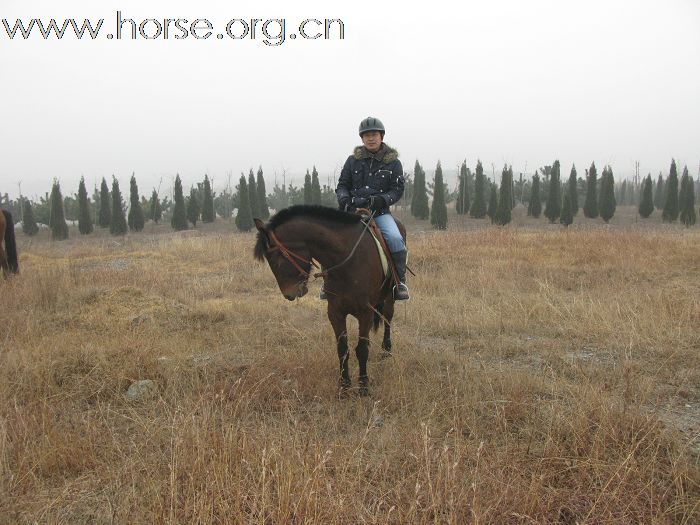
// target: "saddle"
[[384, 253]]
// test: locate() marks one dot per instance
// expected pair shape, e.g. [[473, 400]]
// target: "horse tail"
[[10, 244], [377, 317]]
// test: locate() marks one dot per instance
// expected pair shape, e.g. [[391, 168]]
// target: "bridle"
[[294, 257], [290, 256]]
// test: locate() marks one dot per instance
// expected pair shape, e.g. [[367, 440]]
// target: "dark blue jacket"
[[365, 174]]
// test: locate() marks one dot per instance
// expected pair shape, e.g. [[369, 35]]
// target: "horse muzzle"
[[299, 290]]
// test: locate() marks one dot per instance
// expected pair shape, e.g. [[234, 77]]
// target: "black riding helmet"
[[372, 124]]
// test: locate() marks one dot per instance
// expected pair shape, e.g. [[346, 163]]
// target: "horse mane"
[[312, 212]]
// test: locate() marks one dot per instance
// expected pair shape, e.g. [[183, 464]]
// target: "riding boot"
[[400, 290]]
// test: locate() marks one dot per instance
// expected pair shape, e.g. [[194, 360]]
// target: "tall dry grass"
[[538, 376]]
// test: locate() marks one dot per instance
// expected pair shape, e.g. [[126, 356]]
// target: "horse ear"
[[263, 240]]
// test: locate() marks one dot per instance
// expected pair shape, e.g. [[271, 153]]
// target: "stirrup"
[[400, 292], [322, 295]]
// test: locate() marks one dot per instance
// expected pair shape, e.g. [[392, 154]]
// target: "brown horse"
[[8, 255], [354, 279]]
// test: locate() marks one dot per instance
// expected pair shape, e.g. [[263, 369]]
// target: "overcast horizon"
[[521, 83]]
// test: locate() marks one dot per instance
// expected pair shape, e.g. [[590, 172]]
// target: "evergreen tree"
[[534, 208], [438, 212], [315, 188], [646, 206], [244, 218], [567, 210], [193, 207], [505, 197], [607, 203], [117, 225], [670, 213], [29, 225], [253, 195], [493, 202], [57, 220], [590, 206], [478, 207], [136, 219], [552, 208], [308, 194], [659, 193], [156, 211], [84, 219], [262, 196], [462, 204], [687, 199], [179, 218], [414, 187], [623, 192], [208, 214], [419, 203], [105, 208], [573, 191]]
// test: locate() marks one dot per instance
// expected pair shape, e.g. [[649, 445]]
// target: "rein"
[[294, 257], [325, 272]]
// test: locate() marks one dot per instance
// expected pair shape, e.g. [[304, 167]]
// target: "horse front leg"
[[362, 350], [339, 322]]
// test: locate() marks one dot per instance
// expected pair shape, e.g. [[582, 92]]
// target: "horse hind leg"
[[362, 351], [3, 262], [388, 313], [4, 265]]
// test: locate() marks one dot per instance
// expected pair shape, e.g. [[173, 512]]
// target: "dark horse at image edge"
[[356, 285], [8, 253]]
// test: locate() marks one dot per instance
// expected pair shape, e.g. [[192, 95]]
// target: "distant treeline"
[[545, 193], [475, 195]]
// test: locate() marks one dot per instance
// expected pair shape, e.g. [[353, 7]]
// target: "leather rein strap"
[[293, 257]]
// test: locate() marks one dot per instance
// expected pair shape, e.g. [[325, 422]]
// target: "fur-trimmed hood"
[[386, 153]]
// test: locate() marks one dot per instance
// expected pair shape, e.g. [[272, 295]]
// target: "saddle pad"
[[382, 255]]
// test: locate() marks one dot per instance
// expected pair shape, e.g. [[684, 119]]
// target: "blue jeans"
[[391, 233]]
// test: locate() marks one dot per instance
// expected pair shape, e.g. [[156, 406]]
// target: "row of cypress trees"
[[111, 214], [420, 207], [252, 197], [560, 206], [252, 200], [111, 210], [562, 203], [312, 188], [673, 202]]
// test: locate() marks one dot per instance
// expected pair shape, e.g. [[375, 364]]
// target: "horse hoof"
[[344, 388], [363, 389], [385, 354]]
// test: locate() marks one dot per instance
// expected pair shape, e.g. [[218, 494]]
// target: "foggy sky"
[[517, 82]]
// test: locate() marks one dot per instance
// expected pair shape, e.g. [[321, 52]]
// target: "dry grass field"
[[539, 376]]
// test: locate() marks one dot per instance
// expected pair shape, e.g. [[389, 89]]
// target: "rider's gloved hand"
[[376, 203], [360, 202], [344, 203]]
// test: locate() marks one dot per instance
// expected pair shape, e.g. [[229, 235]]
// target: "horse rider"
[[372, 178]]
